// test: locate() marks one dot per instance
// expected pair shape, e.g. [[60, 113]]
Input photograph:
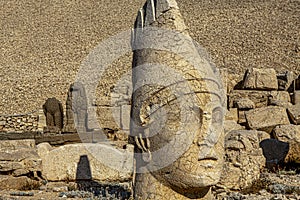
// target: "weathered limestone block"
[[267, 118], [230, 125], [244, 104], [294, 113], [244, 160], [260, 98], [232, 114], [177, 109], [53, 111], [279, 96], [287, 133], [17, 183], [87, 161], [261, 79], [296, 97], [19, 157], [285, 80], [242, 117], [16, 144], [43, 149], [293, 154]]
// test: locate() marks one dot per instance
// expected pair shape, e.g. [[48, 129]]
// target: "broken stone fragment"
[[287, 133], [230, 125], [296, 97], [232, 114], [86, 161], [267, 118], [244, 104], [294, 113], [260, 79], [285, 80], [293, 155], [244, 159], [260, 98]]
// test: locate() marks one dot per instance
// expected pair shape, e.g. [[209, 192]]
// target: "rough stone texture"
[[282, 96], [293, 155], [260, 79], [244, 104], [244, 160], [232, 114], [287, 133], [19, 157], [41, 121], [54, 115], [296, 97], [266, 118], [294, 113], [76, 109], [242, 117], [87, 161], [19, 123], [230, 125], [285, 80], [260, 98], [17, 183], [177, 133]]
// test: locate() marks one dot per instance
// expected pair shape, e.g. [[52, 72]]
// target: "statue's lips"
[[208, 158]]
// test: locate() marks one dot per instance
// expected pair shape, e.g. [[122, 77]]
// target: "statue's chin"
[[202, 178]]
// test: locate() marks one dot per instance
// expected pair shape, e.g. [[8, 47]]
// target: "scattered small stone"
[[22, 194]]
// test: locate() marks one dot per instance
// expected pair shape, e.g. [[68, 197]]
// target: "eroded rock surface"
[[244, 159]]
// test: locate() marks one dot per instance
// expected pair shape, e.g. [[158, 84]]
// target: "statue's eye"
[[217, 115]]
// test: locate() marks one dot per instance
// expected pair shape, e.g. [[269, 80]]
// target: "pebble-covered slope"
[[44, 42]]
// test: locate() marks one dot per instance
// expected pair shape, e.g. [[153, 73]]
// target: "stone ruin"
[[262, 126], [76, 109], [53, 111]]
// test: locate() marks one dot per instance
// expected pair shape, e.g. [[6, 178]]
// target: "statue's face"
[[187, 148], [201, 164]]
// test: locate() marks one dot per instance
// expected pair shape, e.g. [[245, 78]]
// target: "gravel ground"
[[44, 42], [282, 185]]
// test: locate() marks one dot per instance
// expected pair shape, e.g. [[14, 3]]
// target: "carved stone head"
[[177, 106]]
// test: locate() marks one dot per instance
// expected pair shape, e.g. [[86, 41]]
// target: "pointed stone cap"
[[152, 10]]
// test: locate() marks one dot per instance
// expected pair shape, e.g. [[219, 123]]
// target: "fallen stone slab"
[[259, 98], [17, 183], [230, 125], [285, 80], [87, 161], [267, 118], [244, 104], [287, 133], [232, 114], [293, 155], [260, 79], [19, 157], [294, 114]]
